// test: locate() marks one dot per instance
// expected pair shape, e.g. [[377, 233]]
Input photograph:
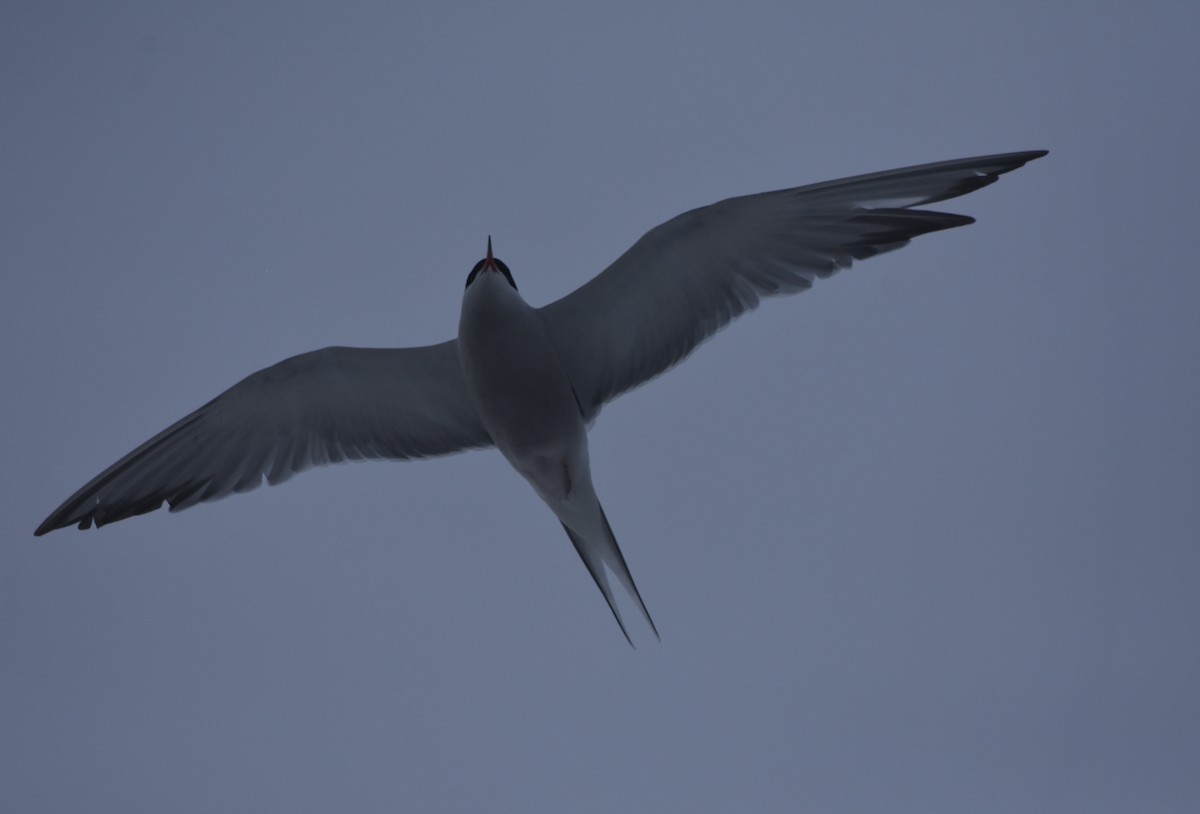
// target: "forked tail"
[[600, 550]]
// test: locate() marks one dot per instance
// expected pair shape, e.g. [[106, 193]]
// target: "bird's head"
[[490, 264]]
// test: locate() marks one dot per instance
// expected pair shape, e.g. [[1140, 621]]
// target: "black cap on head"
[[490, 263]]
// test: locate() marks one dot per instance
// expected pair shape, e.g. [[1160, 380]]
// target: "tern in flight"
[[530, 381]]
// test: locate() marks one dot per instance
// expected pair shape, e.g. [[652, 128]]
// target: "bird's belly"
[[523, 397], [530, 416]]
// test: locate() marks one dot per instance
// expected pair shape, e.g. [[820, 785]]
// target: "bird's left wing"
[[326, 406], [689, 277]]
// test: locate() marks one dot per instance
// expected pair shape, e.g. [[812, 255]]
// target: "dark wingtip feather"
[[1001, 164], [1028, 155]]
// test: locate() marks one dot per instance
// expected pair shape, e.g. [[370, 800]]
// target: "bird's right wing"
[[326, 406], [689, 277]]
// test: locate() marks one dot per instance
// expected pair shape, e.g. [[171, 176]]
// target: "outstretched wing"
[[689, 277], [326, 406]]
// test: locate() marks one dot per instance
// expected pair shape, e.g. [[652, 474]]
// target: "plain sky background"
[[923, 539]]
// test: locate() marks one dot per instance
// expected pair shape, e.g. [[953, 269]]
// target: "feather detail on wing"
[[689, 277], [331, 405]]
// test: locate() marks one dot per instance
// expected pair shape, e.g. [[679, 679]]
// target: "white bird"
[[530, 381]]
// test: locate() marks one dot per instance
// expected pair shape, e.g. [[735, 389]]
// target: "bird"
[[530, 381]]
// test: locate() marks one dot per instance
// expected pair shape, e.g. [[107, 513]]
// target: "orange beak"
[[489, 261]]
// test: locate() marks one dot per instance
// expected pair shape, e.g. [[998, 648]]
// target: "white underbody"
[[522, 394], [528, 405]]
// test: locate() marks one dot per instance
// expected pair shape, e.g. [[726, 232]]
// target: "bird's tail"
[[598, 550]]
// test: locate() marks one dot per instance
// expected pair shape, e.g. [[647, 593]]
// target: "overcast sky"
[[923, 539]]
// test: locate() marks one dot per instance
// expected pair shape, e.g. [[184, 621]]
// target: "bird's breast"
[[515, 378]]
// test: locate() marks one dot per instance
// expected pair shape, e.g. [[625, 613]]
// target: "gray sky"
[[923, 539]]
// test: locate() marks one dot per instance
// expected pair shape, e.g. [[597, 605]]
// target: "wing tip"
[[1014, 161], [1016, 158], [60, 519]]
